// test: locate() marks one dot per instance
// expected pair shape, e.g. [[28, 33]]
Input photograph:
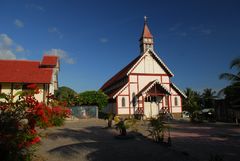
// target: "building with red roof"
[[15, 75], [144, 86]]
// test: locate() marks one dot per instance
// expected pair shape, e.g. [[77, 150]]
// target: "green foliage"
[[97, 98], [132, 123], [20, 114], [66, 94], [208, 97], [197, 117], [121, 126], [193, 100], [157, 128], [232, 91]]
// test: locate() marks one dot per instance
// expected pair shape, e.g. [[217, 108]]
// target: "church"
[[144, 86]]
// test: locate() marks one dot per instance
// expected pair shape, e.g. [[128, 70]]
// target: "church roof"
[[146, 32], [150, 85], [127, 70], [178, 90], [121, 74]]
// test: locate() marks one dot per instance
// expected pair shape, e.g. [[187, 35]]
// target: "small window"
[[123, 102], [134, 99], [0, 88], [151, 99], [176, 101], [166, 101]]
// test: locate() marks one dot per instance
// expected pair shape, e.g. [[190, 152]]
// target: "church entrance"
[[152, 106]]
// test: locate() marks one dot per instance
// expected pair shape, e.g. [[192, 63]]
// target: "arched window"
[[166, 101], [123, 102], [134, 99], [176, 101]]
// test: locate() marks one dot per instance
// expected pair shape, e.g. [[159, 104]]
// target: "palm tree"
[[208, 97], [234, 78], [192, 102], [232, 92]]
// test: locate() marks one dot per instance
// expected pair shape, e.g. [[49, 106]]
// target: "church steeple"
[[146, 40]]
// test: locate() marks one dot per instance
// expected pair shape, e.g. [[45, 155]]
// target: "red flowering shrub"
[[18, 122]]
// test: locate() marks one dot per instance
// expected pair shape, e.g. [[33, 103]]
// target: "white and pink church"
[[144, 86]]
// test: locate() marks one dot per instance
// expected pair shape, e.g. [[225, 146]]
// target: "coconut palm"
[[234, 78], [192, 102], [232, 92], [208, 97]]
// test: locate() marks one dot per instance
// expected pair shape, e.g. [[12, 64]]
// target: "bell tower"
[[146, 40]]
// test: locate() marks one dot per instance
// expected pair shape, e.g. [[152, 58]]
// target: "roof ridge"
[[19, 60]]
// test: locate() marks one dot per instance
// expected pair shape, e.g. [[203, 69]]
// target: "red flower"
[[33, 131], [36, 140], [40, 112]]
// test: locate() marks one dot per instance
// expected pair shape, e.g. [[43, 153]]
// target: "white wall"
[[148, 65], [6, 88]]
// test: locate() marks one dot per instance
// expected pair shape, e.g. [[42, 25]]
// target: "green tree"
[[66, 94], [232, 91], [97, 98], [192, 102], [208, 97]]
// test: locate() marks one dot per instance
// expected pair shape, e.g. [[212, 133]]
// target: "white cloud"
[[18, 23], [8, 48], [206, 31], [56, 31], [202, 29], [175, 27], [62, 55], [181, 30], [19, 48], [183, 34], [35, 7], [103, 40]]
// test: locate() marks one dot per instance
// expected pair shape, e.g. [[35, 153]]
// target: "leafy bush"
[[97, 98], [123, 125], [19, 116], [196, 117], [157, 128]]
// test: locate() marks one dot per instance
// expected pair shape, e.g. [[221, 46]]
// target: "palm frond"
[[229, 76], [235, 63]]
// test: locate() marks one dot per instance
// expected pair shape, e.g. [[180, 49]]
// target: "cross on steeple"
[[146, 40], [145, 19]]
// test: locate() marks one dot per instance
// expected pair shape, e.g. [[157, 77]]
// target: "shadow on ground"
[[204, 140], [98, 144]]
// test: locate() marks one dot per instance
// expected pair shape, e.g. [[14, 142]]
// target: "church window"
[[176, 101], [134, 99], [151, 99], [166, 101], [123, 102]]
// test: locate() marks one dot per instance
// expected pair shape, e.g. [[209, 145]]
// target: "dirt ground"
[[89, 139]]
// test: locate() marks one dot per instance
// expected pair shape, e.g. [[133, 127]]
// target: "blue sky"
[[197, 39]]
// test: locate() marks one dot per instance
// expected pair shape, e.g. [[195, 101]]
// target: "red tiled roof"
[[23, 71], [49, 60], [146, 32], [121, 74], [114, 91]]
